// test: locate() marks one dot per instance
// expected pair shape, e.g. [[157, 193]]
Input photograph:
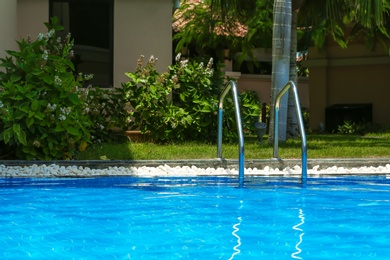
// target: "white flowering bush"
[[41, 112], [181, 104], [154, 113], [108, 113], [196, 89]]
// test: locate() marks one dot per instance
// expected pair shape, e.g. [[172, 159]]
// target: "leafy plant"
[[107, 111], [182, 103], [196, 89], [154, 113], [42, 115], [204, 29], [349, 127], [251, 109]]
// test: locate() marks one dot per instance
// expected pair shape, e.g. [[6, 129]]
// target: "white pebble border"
[[54, 170]]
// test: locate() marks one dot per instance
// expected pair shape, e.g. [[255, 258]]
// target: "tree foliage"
[[204, 28]]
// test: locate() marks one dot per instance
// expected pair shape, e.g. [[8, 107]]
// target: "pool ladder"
[[291, 85], [232, 86]]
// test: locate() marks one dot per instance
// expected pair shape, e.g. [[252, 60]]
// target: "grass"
[[375, 145]]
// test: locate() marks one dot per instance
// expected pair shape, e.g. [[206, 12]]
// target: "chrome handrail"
[[232, 85], [300, 123]]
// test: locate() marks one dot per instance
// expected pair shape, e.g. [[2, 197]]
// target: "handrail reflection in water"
[[296, 227], [234, 233]]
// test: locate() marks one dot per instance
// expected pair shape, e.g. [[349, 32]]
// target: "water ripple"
[[297, 227], [234, 233]]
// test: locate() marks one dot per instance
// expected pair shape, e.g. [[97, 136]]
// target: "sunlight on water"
[[195, 218], [297, 227], [234, 233]]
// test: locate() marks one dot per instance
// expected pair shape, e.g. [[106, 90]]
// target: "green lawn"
[[376, 145]]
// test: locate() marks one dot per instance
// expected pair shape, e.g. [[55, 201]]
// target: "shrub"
[[251, 110], [349, 127], [154, 113], [196, 89], [42, 115], [182, 103], [107, 112]]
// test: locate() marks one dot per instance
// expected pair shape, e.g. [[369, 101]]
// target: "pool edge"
[[211, 163]]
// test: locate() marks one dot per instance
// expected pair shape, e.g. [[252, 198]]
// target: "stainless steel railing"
[[300, 123], [232, 86]]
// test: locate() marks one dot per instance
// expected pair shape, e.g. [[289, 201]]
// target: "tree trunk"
[[292, 119], [281, 41]]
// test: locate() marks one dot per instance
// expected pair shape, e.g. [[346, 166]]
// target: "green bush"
[[45, 114], [154, 113], [107, 111], [196, 89], [182, 104], [42, 114], [251, 110], [349, 127]]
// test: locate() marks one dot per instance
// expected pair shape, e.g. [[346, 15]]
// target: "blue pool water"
[[194, 218]]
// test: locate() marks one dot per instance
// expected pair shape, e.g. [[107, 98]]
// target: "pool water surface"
[[194, 218]]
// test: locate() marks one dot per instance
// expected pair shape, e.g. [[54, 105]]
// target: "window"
[[90, 23], [248, 67]]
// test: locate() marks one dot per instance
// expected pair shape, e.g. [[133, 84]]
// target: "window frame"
[[111, 32]]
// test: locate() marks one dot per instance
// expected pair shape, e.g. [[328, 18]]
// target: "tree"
[[369, 18], [281, 45], [292, 120], [333, 18], [203, 29]]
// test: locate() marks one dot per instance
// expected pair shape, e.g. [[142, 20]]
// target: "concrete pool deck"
[[192, 168], [211, 163]]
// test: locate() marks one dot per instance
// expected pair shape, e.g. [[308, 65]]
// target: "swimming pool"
[[194, 218]]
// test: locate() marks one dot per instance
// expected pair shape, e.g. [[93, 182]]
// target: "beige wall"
[[8, 25], [141, 27], [349, 76], [32, 14], [262, 85]]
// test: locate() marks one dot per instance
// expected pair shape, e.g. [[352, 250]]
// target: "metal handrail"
[[300, 122], [232, 85]]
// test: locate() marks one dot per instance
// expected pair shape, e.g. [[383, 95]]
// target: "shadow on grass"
[[343, 141], [319, 145], [118, 148]]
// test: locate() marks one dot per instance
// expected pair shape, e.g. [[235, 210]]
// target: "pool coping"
[[211, 163]]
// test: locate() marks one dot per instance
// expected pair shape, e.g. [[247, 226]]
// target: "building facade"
[[110, 35], [349, 84], [121, 31]]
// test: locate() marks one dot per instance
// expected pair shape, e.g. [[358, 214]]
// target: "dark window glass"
[[90, 23], [248, 67]]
